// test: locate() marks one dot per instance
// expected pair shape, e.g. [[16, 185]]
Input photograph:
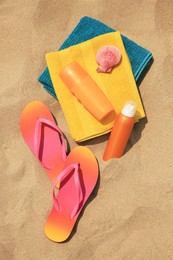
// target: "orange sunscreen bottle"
[[120, 132], [85, 89]]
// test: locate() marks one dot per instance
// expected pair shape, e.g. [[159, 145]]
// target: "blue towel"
[[89, 28]]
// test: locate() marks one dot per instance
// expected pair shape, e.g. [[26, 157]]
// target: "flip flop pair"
[[75, 175]]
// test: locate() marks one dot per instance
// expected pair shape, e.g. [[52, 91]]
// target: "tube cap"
[[129, 109], [72, 74]]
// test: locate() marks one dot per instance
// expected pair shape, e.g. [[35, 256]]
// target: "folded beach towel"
[[119, 85], [89, 28]]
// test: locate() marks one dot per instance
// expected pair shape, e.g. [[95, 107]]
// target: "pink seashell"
[[107, 57]]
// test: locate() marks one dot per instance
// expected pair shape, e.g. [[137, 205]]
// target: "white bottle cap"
[[129, 109]]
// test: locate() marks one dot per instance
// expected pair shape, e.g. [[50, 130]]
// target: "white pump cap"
[[129, 109]]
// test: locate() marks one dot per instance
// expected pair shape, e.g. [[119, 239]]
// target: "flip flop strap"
[[60, 178], [37, 140]]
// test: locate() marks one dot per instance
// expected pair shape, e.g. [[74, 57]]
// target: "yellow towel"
[[119, 85]]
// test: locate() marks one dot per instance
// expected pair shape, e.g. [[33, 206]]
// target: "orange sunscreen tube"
[[85, 89], [120, 132]]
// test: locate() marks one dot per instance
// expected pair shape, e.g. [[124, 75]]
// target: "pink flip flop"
[[44, 137], [77, 181]]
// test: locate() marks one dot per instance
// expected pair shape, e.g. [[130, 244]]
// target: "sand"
[[130, 213]]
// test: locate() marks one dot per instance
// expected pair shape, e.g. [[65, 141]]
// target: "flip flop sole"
[[50, 143], [59, 224]]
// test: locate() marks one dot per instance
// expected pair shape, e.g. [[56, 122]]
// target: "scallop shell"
[[107, 57]]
